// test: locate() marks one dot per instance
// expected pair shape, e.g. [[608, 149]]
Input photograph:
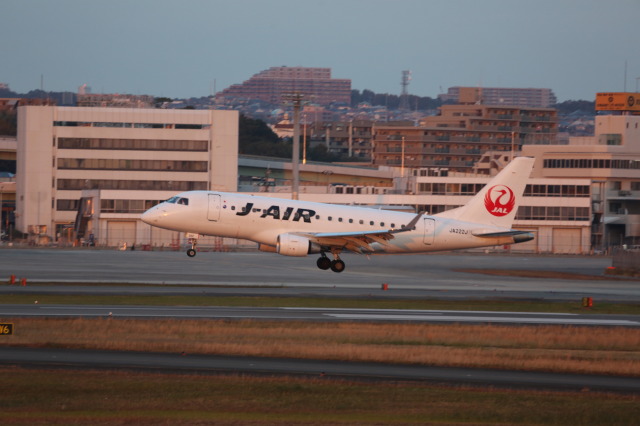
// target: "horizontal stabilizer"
[[518, 236]]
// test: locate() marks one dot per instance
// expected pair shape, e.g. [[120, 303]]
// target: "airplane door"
[[214, 207], [429, 230]]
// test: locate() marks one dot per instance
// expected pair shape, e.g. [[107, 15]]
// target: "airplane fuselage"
[[300, 228], [264, 219]]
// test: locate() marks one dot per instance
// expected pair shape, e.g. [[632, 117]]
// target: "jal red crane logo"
[[499, 200]]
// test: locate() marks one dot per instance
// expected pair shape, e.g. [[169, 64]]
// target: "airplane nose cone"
[[151, 216]]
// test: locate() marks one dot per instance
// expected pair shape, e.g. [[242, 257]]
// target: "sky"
[[189, 48]]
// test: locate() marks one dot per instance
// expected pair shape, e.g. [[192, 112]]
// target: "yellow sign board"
[[619, 101], [6, 328]]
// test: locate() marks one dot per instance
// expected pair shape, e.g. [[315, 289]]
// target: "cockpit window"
[[178, 200]]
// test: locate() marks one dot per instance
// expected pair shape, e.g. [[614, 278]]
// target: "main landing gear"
[[336, 265]]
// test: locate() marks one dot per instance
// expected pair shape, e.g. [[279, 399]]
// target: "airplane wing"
[[358, 242]]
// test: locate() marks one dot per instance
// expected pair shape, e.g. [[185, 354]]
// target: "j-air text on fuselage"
[[300, 228]]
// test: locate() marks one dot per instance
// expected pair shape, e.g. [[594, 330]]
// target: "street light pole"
[[402, 159], [296, 99]]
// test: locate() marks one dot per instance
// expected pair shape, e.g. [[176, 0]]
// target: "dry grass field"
[[613, 350], [66, 397], [40, 396]]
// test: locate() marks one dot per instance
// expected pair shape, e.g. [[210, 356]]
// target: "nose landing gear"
[[192, 251]]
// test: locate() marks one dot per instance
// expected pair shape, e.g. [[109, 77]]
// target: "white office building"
[[116, 163]]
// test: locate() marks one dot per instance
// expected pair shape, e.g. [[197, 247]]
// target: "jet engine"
[[295, 245]]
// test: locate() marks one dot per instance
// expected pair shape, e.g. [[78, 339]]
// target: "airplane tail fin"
[[497, 203]]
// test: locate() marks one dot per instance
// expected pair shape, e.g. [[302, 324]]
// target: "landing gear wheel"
[[337, 265], [192, 251], [324, 263]]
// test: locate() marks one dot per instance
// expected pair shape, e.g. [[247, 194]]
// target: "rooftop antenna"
[[404, 96]]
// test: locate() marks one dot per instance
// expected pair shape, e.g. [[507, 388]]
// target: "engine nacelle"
[[295, 245]]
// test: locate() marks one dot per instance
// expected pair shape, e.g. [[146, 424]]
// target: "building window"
[[134, 144], [139, 185], [67, 205], [142, 165], [123, 206]]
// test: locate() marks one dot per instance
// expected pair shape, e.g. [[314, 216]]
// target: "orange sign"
[[619, 101]]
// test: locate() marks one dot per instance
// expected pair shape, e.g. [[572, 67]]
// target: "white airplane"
[[299, 228]]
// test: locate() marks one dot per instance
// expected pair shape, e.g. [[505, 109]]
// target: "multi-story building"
[[99, 168], [611, 160], [350, 139], [457, 137], [270, 85], [114, 100], [531, 98]]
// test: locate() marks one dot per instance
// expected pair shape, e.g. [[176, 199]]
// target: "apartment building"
[[456, 138], [316, 84], [103, 167], [522, 97]]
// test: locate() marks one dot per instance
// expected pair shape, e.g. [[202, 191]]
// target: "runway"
[[436, 275], [264, 274], [317, 314]]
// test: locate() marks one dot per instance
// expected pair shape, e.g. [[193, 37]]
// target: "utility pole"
[[296, 99], [402, 158]]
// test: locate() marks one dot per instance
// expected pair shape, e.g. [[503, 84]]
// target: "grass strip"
[[597, 350], [524, 273], [38, 397]]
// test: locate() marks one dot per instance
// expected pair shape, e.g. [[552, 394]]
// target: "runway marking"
[[428, 311], [454, 318], [297, 313]]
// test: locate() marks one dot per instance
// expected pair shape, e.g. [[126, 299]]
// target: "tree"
[[567, 107], [8, 123], [256, 138], [392, 102], [158, 102]]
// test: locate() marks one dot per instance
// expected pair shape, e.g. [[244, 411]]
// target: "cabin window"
[[371, 223], [361, 222], [330, 218], [339, 219], [350, 220], [393, 225], [382, 224]]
